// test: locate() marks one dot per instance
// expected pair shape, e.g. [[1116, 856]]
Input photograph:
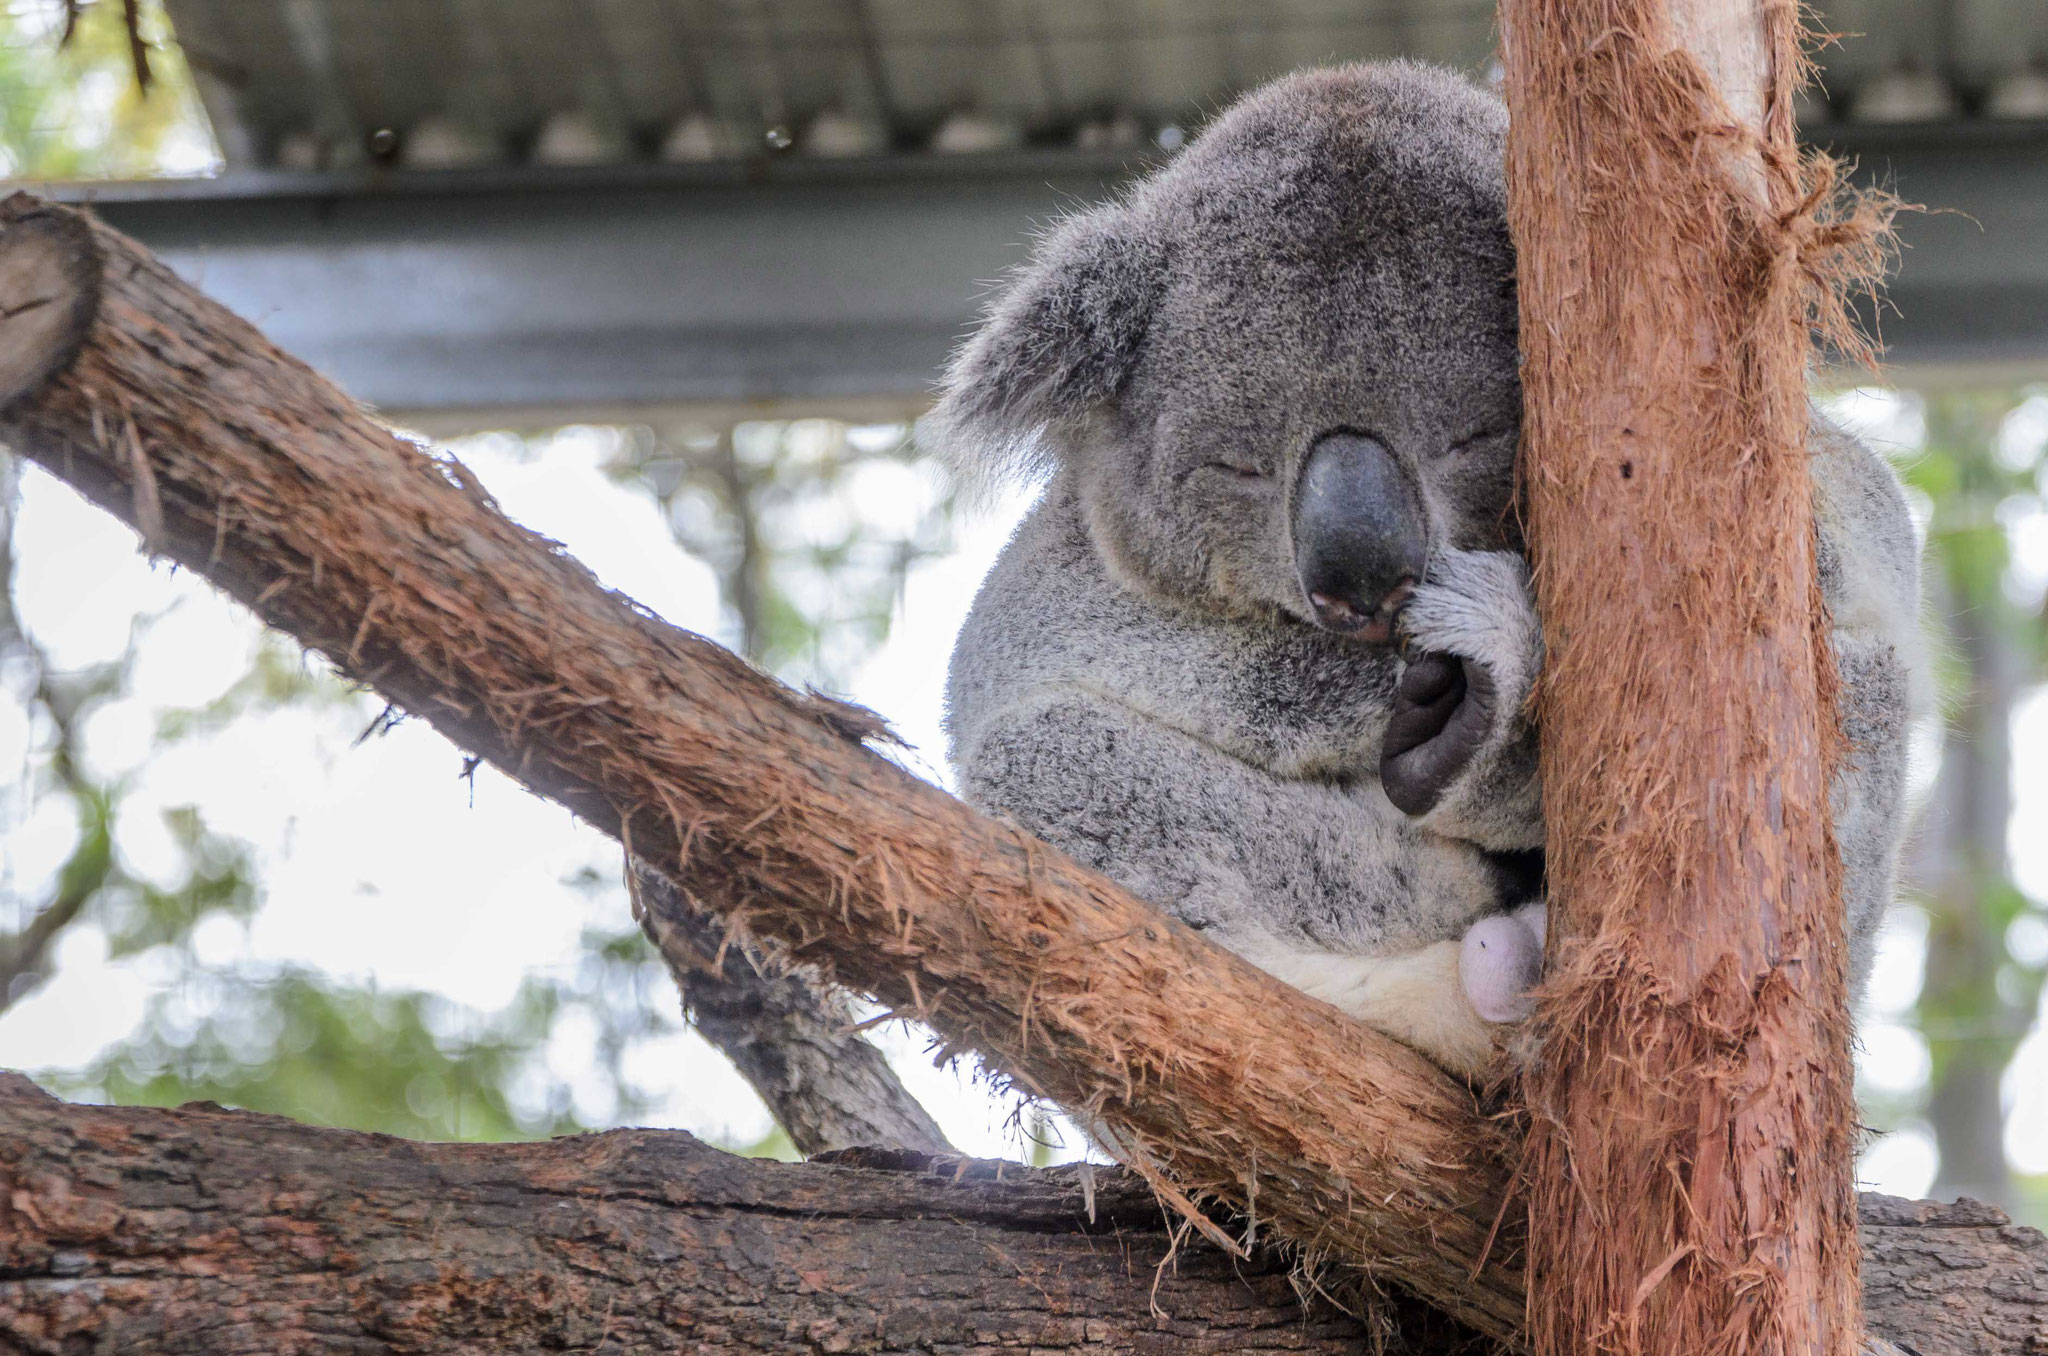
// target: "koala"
[[1262, 651]]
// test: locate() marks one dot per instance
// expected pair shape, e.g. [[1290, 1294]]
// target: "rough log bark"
[[1692, 1116], [202, 1232], [793, 1041], [238, 462]]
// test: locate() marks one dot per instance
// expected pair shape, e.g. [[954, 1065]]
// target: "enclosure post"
[[1690, 1166]]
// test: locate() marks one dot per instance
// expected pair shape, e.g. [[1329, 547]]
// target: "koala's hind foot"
[[1450, 999], [1500, 962]]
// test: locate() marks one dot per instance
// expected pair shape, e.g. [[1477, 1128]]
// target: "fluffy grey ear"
[[1057, 342]]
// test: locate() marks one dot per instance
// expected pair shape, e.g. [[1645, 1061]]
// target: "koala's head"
[[1281, 373]]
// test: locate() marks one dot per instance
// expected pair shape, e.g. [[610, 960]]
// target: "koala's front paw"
[[1476, 650], [1444, 709]]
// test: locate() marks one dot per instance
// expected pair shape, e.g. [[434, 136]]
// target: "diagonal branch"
[[762, 804]]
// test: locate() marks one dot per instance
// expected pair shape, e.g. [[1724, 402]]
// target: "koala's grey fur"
[[1142, 681]]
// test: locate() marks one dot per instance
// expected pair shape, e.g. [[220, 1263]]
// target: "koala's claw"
[[1443, 712]]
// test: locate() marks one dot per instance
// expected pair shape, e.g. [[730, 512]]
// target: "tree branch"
[[765, 807], [202, 1232], [1220, 1082]]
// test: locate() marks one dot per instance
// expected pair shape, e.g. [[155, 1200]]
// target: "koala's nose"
[[1359, 535]]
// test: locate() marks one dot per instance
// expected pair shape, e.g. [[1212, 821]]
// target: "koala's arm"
[[1469, 772], [1227, 849], [1478, 607]]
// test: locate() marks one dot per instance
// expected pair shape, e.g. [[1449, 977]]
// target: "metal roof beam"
[[466, 296]]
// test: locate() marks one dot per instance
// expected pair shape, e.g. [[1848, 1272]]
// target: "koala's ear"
[[1057, 342]]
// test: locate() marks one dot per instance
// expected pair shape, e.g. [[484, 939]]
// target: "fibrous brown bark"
[[763, 804], [1692, 1117], [201, 1232]]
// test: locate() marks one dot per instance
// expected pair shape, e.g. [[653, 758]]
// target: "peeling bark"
[[1692, 1118]]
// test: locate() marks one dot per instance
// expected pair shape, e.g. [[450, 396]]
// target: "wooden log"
[[202, 1232], [1693, 1131], [763, 804]]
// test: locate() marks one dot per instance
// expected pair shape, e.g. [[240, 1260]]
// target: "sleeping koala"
[[1262, 651]]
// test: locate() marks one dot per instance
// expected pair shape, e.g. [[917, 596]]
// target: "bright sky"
[[377, 866]]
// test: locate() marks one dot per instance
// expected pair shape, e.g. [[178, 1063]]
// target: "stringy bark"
[[1692, 1117]]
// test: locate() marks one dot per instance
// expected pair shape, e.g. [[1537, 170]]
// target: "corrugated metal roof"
[[472, 81]]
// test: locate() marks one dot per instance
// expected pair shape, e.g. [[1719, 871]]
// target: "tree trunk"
[[202, 1232], [1959, 999], [761, 804], [1692, 1118], [1972, 1025]]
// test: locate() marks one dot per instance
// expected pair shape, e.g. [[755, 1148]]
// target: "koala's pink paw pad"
[[1500, 962]]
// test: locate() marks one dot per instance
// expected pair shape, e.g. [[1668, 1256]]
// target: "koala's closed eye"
[[1473, 442], [1235, 470]]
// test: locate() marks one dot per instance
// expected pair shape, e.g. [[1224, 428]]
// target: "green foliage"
[[137, 915], [297, 1042], [78, 112], [1979, 475], [278, 677]]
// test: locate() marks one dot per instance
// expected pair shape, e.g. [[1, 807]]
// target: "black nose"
[[1359, 535]]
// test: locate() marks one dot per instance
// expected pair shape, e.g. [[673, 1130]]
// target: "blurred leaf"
[[292, 1043], [811, 527], [78, 112]]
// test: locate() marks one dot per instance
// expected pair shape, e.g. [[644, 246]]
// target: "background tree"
[[1979, 469]]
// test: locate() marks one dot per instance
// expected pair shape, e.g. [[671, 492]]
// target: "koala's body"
[[1261, 653]]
